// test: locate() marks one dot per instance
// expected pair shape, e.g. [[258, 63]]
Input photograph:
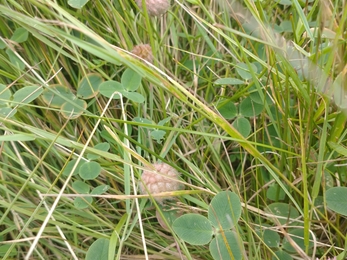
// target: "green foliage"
[[81, 187], [245, 71], [98, 250], [338, 148], [111, 88], [70, 165], [5, 248], [296, 235], [78, 4], [7, 112], [5, 94], [100, 189], [73, 109], [194, 229], [248, 108], [284, 245], [275, 193], [2, 45], [271, 238], [102, 147], [84, 188], [229, 81], [157, 134], [336, 199], [284, 2], [166, 216], [242, 125], [26, 95], [130, 82], [20, 35], [224, 212], [88, 87], [61, 97], [228, 111], [245, 109], [283, 213], [281, 255], [17, 137], [5, 102], [89, 170], [21, 97], [226, 245], [56, 95], [246, 97]]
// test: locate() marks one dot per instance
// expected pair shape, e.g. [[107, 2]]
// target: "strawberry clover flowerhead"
[[155, 7], [159, 178], [143, 51]]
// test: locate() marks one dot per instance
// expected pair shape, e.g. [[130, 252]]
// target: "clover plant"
[[10, 102], [20, 35], [130, 82], [78, 4], [241, 113], [219, 228], [155, 133], [86, 170], [250, 106], [72, 106], [5, 102]]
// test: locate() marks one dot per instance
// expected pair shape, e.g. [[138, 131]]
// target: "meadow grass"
[[288, 60]]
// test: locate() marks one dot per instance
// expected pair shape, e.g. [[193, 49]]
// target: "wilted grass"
[[195, 44]]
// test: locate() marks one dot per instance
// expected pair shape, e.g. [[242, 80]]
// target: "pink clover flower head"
[[143, 51], [163, 178], [155, 7]]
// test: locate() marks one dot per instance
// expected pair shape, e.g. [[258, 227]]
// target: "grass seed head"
[[155, 7], [162, 178]]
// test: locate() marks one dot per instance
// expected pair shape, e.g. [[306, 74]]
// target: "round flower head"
[[155, 7], [143, 51], [162, 178]]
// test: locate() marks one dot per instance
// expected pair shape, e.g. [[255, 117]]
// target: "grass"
[[289, 59]]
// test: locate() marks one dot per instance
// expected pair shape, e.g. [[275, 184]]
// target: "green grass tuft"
[[243, 96]]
